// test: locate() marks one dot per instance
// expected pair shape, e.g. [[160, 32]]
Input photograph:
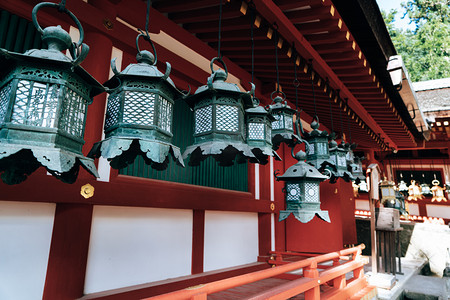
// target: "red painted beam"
[[140, 192]]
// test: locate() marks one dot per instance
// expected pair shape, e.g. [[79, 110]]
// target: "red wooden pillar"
[[264, 219], [97, 63], [71, 230], [198, 241], [68, 252]]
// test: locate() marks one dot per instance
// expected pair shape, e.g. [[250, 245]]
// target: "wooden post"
[[312, 272], [373, 172]]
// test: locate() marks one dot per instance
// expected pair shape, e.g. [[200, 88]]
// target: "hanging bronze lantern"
[[219, 121], [283, 124], [387, 189], [438, 192], [44, 97], [357, 169], [425, 189], [414, 192], [139, 114], [302, 191], [338, 169], [402, 186], [259, 133], [317, 152], [363, 186]]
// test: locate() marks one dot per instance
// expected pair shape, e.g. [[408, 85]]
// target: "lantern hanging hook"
[[146, 35], [77, 50]]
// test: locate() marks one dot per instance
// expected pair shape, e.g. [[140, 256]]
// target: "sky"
[[387, 5]]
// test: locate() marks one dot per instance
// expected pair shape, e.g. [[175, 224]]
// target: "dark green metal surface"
[[17, 34], [208, 173]]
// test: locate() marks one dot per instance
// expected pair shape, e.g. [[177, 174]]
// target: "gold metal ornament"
[[414, 192], [438, 192], [87, 191]]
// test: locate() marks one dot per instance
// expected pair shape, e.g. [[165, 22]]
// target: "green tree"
[[426, 49]]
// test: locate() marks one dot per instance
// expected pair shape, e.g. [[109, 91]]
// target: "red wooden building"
[[148, 232]]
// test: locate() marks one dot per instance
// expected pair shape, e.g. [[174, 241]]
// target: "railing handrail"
[[232, 282], [303, 284]]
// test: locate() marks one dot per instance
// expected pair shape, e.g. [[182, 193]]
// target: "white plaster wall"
[[231, 239], [413, 209], [438, 211], [130, 246], [25, 237], [362, 205]]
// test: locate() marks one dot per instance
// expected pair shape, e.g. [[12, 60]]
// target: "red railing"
[[328, 269]]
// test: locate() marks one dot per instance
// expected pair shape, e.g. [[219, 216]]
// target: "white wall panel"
[[438, 211], [130, 246], [413, 209], [25, 237], [231, 239], [362, 205]]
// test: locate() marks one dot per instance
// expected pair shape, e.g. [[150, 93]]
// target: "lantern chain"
[[312, 85], [252, 21], [342, 123], [296, 82], [276, 56], [220, 30], [331, 114], [62, 6]]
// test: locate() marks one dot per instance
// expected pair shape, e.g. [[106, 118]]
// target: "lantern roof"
[[260, 110], [315, 132], [216, 84], [48, 57], [281, 104], [144, 68], [302, 170]]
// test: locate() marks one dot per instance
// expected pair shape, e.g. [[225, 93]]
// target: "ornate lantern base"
[[304, 212], [223, 152], [121, 151], [19, 161]]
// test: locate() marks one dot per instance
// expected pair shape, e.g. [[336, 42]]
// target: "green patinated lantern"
[[318, 154], [425, 189], [302, 191], [357, 168], [387, 189], [259, 133], [219, 129], [139, 115], [44, 97], [338, 154], [283, 124]]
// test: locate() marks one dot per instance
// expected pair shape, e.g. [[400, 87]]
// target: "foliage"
[[426, 49]]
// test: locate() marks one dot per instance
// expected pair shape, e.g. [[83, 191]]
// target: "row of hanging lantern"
[[43, 105], [392, 194]]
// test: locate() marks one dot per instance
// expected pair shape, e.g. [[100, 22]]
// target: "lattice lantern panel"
[[219, 116], [45, 103], [140, 110]]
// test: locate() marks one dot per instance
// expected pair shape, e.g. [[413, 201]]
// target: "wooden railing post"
[[312, 272], [358, 273], [202, 296]]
